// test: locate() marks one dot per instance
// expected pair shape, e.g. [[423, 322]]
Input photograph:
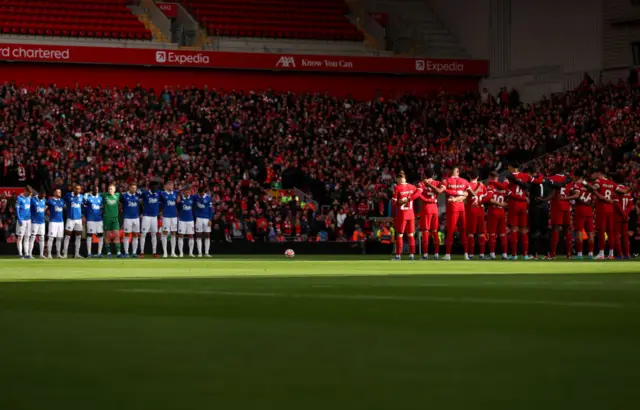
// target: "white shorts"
[[149, 224], [185, 228], [131, 225], [169, 224], [56, 229], [202, 225], [37, 229], [24, 229], [73, 225], [95, 227]]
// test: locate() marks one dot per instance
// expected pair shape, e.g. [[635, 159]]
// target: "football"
[[289, 253]]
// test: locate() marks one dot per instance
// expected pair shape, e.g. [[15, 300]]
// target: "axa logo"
[[419, 65], [286, 62], [161, 56]]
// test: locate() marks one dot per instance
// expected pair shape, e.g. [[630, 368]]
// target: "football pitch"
[[318, 333]]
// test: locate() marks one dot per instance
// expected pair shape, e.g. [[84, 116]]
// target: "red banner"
[[169, 9], [381, 18], [8, 192], [249, 61]]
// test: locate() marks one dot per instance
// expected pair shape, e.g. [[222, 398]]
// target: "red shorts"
[[496, 223], [405, 226], [475, 223], [560, 217], [583, 222], [518, 214], [429, 222], [604, 221]]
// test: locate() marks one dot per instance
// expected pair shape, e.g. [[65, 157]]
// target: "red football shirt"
[[624, 205], [404, 191], [474, 203], [557, 203], [453, 187], [607, 189], [584, 203], [515, 191], [497, 195], [429, 198]]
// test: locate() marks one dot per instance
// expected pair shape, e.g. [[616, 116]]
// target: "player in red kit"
[[623, 208], [456, 191], [403, 197], [604, 190], [560, 212], [582, 212], [429, 221], [475, 215], [496, 198], [517, 211]]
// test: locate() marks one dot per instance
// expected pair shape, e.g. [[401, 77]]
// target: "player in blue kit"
[[185, 222], [23, 228], [38, 208], [74, 202], [169, 200], [95, 225], [56, 222], [150, 211], [204, 214], [131, 205]]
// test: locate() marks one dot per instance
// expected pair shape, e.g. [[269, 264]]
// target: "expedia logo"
[[286, 62], [161, 56]]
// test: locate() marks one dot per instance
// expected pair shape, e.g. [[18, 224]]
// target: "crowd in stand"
[[344, 153]]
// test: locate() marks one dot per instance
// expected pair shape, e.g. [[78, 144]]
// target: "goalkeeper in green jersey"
[[111, 201]]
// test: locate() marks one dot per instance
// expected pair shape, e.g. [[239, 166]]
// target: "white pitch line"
[[401, 298]]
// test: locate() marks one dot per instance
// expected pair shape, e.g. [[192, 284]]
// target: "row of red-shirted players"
[[466, 214]]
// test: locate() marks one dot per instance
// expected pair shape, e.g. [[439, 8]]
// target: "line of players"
[[183, 215], [507, 203]]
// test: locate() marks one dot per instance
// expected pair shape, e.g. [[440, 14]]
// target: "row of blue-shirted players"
[[180, 218]]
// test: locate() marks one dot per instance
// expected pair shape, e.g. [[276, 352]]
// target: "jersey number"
[[518, 191], [607, 194], [585, 197], [499, 199], [625, 203], [407, 206]]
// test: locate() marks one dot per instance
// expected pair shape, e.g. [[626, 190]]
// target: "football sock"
[[154, 243], [20, 246], [143, 240], [59, 246], [134, 244], [207, 245], [180, 244], [125, 242], [399, 246], [199, 244], [524, 238], [483, 243], [412, 245], [492, 244], [436, 242], [78, 243], [100, 244], [567, 241], [88, 240], [118, 248], [513, 239], [173, 244], [503, 244], [32, 243], [50, 246], [190, 246], [555, 237], [164, 244]]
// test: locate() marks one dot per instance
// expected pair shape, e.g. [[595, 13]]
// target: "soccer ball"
[[289, 253]]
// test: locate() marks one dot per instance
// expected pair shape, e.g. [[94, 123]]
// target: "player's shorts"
[[202, 225], [24, 229], [169, 224], [403, 226], [131, 225], [604, 221], [111, 224], [581, 222], [456, 220], [497, 224], [185, 228], [73, 225], [37, 229], [56, 229], [95, 227], [560, 217], [429, 222], [517, 214], [475, 223], [149, 225]]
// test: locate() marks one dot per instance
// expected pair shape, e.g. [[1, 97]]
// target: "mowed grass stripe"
[[371, 297]]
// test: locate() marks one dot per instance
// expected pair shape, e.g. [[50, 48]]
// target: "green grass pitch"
[[318, 333]]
